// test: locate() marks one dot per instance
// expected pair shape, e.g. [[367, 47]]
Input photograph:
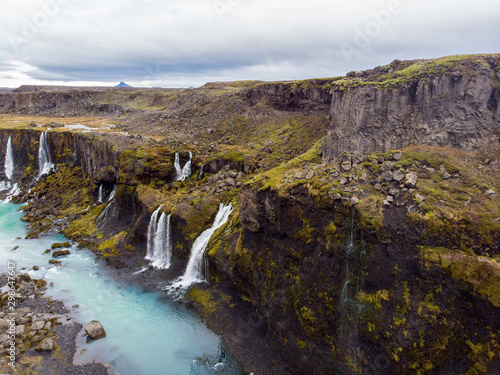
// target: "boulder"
[[387, 175], [37, 325], [22, 277], [397, 156], [398, 175], [387, 165], [490, 193], [95, 330], [346, 166], [58, 245], [393, 191], [59, 253], [412, 209], [411, 179], [46, 345]]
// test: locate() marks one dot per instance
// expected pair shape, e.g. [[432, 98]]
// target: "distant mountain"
[[122, 84]]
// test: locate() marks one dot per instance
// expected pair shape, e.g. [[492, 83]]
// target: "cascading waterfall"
[[200, 176], [194, 270], [185, 172], [350, 308], [101, 219], [112, 195], [151, 233], [45, 164], [100, 198], [177, 166], [9, 160], [159, 248], [9, 170], [162, 243]]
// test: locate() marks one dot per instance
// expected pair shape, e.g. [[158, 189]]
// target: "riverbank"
[[45, 332]]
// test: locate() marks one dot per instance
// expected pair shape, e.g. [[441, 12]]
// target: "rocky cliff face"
[[339, 296], [452, 102]]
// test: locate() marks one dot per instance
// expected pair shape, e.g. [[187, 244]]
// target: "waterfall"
[[151, 233], [159, 247], [194, 270], [100, 199], [177, 166], [101, 219], [5, 185], [112, 195], [349, 307], [45, 164], [14, 190], [185, 172], [9, 160], [200, 176]]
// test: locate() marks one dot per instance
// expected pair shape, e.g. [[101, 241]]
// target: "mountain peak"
[[122, 84]]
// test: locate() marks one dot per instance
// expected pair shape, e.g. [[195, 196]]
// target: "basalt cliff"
[[365, 231]]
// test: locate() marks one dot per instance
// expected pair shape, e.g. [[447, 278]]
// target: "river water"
[[146, 333]]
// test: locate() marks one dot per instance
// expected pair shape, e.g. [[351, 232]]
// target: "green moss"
[[305, 234], [331, 235], [374, 299], [479, 273], [301, 344], [209, 299]]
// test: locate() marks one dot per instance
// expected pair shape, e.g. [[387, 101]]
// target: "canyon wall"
[[449, 103]]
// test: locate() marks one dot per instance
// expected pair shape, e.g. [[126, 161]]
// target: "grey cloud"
[[125, 40]]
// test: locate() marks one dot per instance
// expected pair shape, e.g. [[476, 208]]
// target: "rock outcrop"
[[449, 102]]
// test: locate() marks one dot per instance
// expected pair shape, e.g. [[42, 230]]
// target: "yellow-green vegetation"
[[275, 177], [371, 212], [301, 344], [197, 219], [110, 247], [457, 208], [479, 273], [305, 234], [482, 353], [84, 227], [210, 299], [331, 235], [408, 71], [9, 121], [374, 299]]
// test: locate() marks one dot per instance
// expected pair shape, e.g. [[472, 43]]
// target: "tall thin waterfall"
[[151, 233], [9, 160], [177, 166], [350, 308], [45, 164], [194, 270], [100, 199], [159, 250], [185, 172], [113, 192]]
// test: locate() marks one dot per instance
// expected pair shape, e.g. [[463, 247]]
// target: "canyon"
[[363, 222]]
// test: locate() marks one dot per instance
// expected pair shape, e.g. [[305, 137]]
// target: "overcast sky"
[[174, 43]]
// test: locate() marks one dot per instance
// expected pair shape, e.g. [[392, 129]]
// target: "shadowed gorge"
[[346, 225]]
